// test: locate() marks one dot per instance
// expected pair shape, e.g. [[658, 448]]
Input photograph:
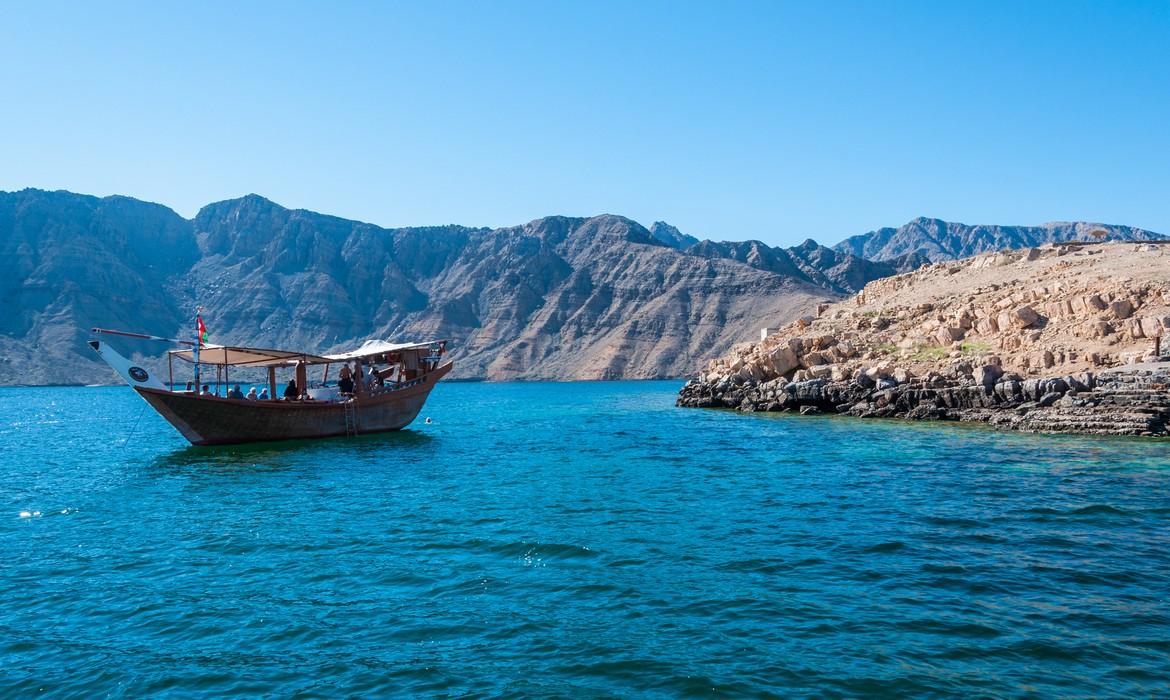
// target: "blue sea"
[[577, 540]]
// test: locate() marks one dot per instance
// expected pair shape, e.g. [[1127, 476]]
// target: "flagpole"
[[198, 343]]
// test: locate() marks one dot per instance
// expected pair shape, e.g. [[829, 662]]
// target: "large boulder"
[[783, 360], [820, 371], [987, 326], [1019, 318], [987, 375], [1151, 327], [810, 359], [948, 334]]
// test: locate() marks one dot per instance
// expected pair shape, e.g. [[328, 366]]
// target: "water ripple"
[[577, 540]]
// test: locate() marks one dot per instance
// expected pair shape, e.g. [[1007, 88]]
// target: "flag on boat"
[[200, 330]]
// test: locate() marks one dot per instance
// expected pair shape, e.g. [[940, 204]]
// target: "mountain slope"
[[940, 240], [671, 236], [839, 272], [69, 262], [558, 298]]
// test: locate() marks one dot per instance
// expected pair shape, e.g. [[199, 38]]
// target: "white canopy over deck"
[[377, 347], [231, 356], [235, 356]]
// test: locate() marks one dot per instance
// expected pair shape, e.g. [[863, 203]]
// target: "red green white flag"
[[200, 330]]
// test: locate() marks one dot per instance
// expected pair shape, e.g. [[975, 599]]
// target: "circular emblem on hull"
[[138, 374]]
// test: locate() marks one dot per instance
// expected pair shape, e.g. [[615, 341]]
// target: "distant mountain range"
[[557, 298], [937, 240]]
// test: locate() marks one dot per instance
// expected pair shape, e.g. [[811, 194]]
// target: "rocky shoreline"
[[1060, 339], [1126, 402]]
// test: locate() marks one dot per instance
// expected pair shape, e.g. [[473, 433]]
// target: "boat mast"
[[198, 342]]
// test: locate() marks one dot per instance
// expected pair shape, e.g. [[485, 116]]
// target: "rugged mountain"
[[939, 240], [565, 298], [840, 272], [560, 297], [671, 236], [557, 298], [69, 262]]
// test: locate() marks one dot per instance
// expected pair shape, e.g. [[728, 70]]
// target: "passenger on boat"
[[251, 396], [235, 393], [290, 391], [373, 380], [190, 387], [206, 391], [263, 394], [345, 384]]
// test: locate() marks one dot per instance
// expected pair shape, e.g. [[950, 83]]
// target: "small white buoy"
[[428, 421], [25, 514]]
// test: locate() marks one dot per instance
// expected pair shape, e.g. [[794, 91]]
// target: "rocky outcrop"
[[671, 236], [1126, 402], [1063, 338]]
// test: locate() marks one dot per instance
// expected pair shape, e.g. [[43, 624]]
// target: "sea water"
[[577, 540]]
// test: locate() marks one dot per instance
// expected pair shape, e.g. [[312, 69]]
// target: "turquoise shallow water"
[[577, 540]]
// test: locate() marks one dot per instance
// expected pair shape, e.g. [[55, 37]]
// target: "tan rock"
[[809, 359], [823, 341], [1151, 327], [1023, 317], [783, 360], [987, 326], [820, 371], [1095, 329]]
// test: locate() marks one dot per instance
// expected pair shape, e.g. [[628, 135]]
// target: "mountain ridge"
[[558, 297], [938, 240]]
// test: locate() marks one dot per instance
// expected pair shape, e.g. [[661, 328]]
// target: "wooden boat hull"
[[209, 420]]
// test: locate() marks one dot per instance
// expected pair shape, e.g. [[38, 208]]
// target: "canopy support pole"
[[302, 379], [272, 383]]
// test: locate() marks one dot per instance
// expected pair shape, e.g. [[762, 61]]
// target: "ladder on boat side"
[[351, 419]]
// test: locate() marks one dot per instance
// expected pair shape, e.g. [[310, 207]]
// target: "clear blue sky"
[[777, 121]]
